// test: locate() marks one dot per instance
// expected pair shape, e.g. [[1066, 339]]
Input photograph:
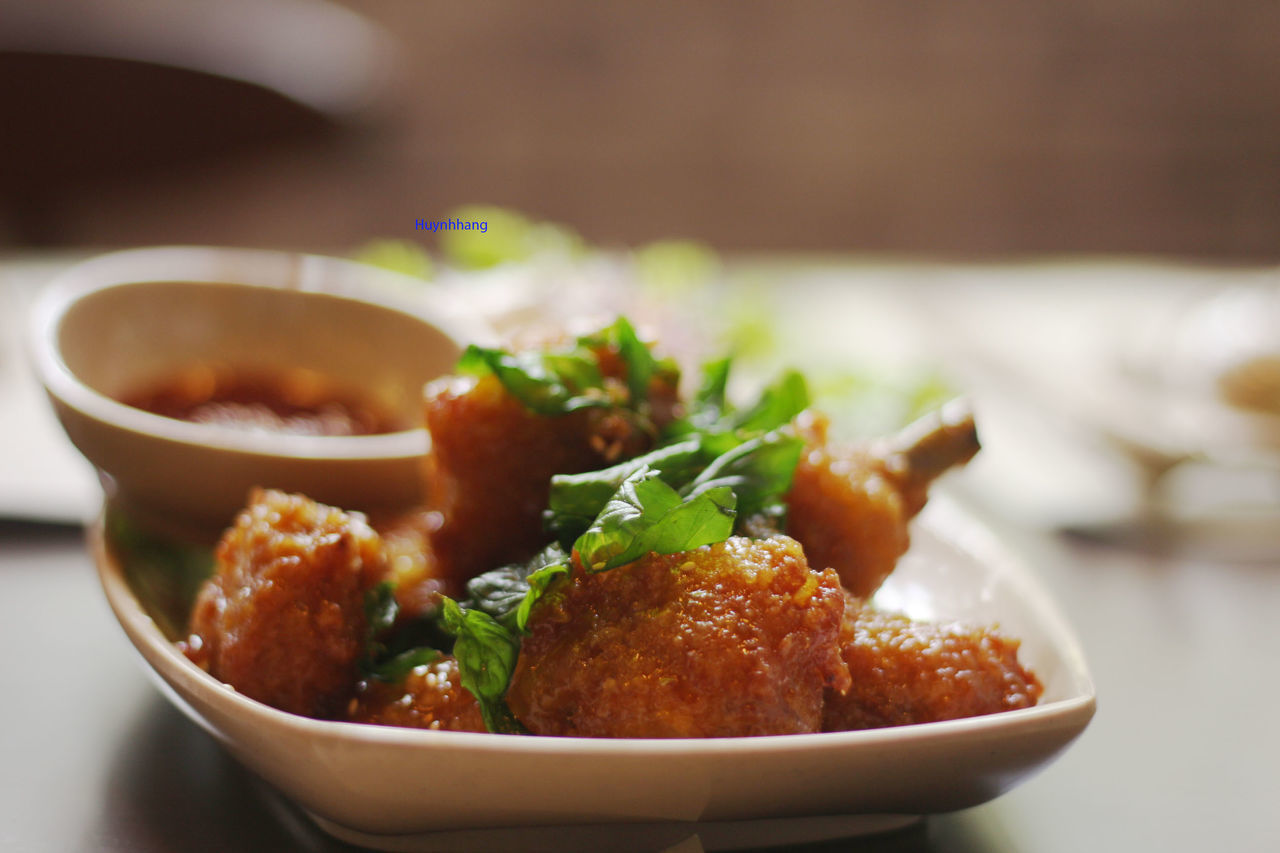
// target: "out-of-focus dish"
[[1207, 373], [398, 788]]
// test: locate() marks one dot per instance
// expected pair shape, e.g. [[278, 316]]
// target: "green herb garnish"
[[509, 593], [753, 452], [397, 667], [759, 472], [575, 500], [636, 355], [718, 466], [165, 574], [555, 383], [546, 383], [486, 654], [648, 516]]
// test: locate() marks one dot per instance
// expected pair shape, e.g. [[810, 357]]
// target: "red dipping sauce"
[[294, 402]]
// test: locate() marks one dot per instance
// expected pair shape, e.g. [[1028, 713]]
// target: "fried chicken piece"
[[907, 672], [282, 619], [412, 568], [734, 639], [490, 466], [849, 506], [430, 697]]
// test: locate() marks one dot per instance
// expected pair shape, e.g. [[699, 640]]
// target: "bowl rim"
[[314, 276]]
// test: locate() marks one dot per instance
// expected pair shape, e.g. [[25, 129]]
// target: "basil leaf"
[[545, 383], [539, 581], [636, 356], [486, 654], [380, 612], [165, 574], [380, 608], [509, 593], [576, 499], [648, 515], [787, 397], [398, 667], [702, 519], [711, 415], [713, 393], [555, 383], [759, 472]]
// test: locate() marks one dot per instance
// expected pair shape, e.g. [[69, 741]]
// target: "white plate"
[[406, 789]]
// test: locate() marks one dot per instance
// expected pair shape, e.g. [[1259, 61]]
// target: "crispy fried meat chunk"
[[282, 619], [848, 515], [490, 465], [734, 639], [430, 697], [412, 568], [849, 506], [906, 672]]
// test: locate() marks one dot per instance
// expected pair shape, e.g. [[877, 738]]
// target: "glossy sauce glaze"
[[297, 402]]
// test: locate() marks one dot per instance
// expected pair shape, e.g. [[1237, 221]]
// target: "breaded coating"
[[849, 516], [734, 639], [412, 568], [490, 465], [430, 697], [906, 672], [282, 619], [849, 505]]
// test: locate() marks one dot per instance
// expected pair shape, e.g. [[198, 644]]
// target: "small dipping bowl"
[[119, 324]]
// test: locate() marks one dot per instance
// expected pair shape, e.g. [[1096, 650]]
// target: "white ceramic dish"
[[122, 322], [402, 789]]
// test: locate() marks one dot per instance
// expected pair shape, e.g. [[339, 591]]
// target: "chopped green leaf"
[[486, 654], [164, 573], [509, 593], [576, 499], [787, 397], [539, 581], [554, 383], [635, 354], [389, 655], [708, 408], [547, 383], [398, 667], [711, 415], [759, 472], [713, 393], [646, 515], [380, 608]]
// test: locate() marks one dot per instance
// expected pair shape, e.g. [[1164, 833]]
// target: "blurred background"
[[964, 128], [1069, 211]]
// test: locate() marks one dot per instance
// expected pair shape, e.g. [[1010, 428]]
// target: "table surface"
[[1182, 754]]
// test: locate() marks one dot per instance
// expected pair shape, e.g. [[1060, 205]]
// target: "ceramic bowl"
[[411, 789], [126, 320]]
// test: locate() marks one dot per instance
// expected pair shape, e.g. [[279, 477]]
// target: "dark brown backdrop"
[[952, 126]]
